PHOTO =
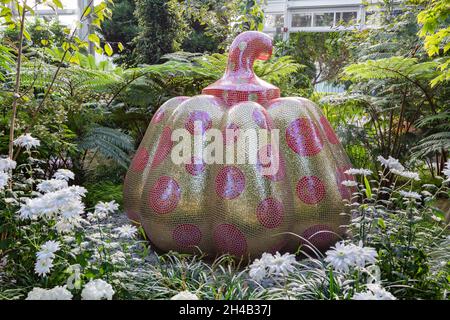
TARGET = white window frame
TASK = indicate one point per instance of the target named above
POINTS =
(333, 10)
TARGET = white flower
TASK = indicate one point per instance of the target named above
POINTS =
(410, 194)
(281, 264)
(78, 191)
(7, 164)
(43, 266)
(72, 209)
(364, 172)
(57, 293)
(97, 289)
(48, 250)
(364, 255)
(277, 265)
(118, 257)
(406, 174)
(106, 207)
(258, 270)
(4, 177)
(51, 185)
(349, 183)
(102, 209)
(65, 225)
(126, 231)
(184, 295)
(27, 141)
(50, 246)
(52, 203)
(341, 258)
(64, 174)
(391, 163)
(375, 292)
(344, 256)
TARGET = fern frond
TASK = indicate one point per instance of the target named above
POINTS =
(111, 143)
(391, 68)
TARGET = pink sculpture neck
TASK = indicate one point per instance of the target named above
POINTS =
(245, 49)
(239, 82)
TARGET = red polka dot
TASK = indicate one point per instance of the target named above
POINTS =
(320, 236)
(187, 235)
(262, 119)
(346, 192)
(270, 213)
(230, 133)
(198, 116)
(229, 239)
(164, 147)
(196, 167)
(303, 137)
(158, 117)
(140, 160)
(270, 171)
(329, 132)
(164, 195)
(310, 190)
(230, 182)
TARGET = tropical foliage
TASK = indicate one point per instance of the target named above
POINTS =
(69, 125)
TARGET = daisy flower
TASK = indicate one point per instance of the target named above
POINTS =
(97, 289)
(184, 295)
(349, 183)
(341, 257)
(64, 174)
(4, 177)
(43, 266)
(126, 231)
(374, 292)
(363, 172)
(406, 174)
(57, 293)
(7, 164)
(390, 163)
(51, 185)
(410, 194)
(27, 141)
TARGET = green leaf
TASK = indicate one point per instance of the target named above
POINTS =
(58, 4)
(108, 49)
(66, 46)
(381, 223)
(367, 186)
(87, 11)
(94, 38)
(121, 47)
(26, 35)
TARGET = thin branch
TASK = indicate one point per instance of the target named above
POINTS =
(17, 84)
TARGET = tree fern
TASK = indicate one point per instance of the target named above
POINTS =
(432, 144)
(391, 68)
(111, 143)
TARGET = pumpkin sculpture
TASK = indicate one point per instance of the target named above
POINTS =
(236, 208)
